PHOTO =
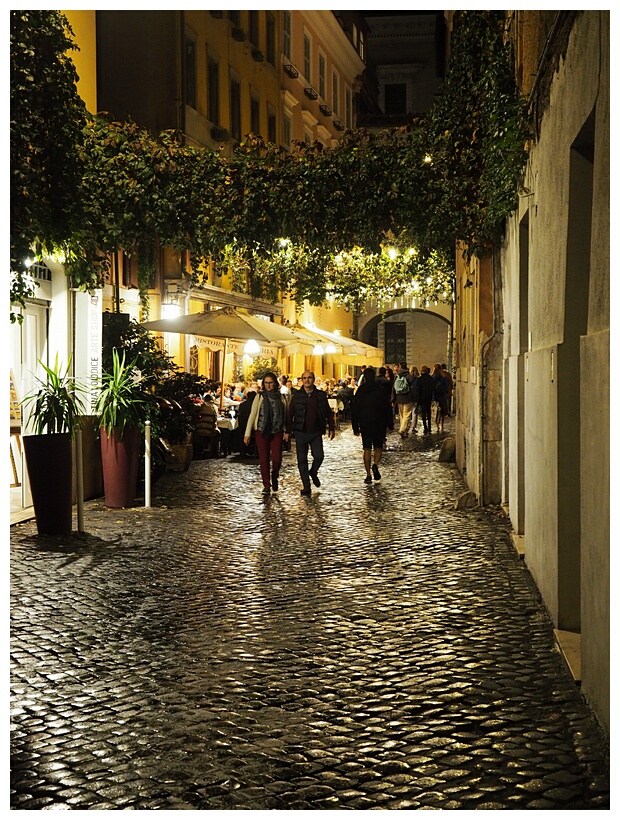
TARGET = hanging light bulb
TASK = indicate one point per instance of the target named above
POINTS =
(252, 348)
(318, 350)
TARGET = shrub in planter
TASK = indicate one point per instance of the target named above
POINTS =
(55, 408)
(121, 410)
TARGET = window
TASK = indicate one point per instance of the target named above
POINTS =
(287, 130)
(190, 72)
(271, 39)
(348, 107)
(235, 110)
(307, 137)
(362, 46)
(307, 59)
(213, 91)
(254, 28)
(395, 341)
(354, 36)
(254, 115)
(286, 34)
(124, 270)
(271, 127)
(335, 89)
(322, 76)
(396, 98)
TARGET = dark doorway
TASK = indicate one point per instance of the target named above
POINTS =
(395, 342)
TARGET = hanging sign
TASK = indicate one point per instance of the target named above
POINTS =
(234, 346)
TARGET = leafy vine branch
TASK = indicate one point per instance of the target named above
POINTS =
(376, 216)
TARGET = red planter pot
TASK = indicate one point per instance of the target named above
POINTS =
(119, 458)
(48, 458)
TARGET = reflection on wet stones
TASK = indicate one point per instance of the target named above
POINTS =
(369, 647)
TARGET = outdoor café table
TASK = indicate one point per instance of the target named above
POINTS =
(334, 404)
(226, 425)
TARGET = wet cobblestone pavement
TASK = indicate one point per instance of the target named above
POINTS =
(370, 647)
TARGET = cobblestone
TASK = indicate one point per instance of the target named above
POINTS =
(368, 647)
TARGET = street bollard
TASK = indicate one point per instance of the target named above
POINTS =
(79, 479)
(147, 464)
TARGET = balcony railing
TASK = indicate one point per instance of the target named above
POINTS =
(219, 134)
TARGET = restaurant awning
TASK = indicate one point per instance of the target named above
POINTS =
(344, 350)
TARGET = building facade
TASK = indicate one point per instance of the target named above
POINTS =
(215, 76)
(533, 343)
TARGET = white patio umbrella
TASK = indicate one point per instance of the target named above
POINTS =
(344, 350)
(230, 324)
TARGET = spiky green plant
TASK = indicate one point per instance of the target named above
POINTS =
(121, 402)
(55, 407)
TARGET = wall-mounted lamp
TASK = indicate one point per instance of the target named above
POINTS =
(170, 310)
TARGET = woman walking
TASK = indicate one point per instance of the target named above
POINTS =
(371, 411)
(266, 420)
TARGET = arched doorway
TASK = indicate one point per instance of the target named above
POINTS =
(415, 335)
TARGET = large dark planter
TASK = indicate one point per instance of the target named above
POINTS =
(119, 459)
(48, 459)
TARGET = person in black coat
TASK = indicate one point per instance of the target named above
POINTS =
(370, 416)
(426, 387)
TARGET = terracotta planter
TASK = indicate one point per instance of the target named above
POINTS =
(182, 455)
(48, 459)
(119, 459)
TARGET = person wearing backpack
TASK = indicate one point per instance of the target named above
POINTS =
(402, 396)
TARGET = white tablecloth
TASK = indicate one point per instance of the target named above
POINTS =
(227, 424)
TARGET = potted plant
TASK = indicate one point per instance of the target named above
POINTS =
(121, 409)
(178, 429)
(55, 409)
(179, 396)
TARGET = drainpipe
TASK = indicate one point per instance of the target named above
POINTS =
(181, 90)
(497, 332)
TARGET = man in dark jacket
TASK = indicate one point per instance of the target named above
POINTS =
(371, 412)
(308, 417)
(426, 385)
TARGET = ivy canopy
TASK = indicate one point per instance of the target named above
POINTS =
(377, 215)
(47, 132)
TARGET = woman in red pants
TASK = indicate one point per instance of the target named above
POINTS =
(267, 419)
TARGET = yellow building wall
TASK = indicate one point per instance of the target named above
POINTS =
(258, 79)
(84, 28)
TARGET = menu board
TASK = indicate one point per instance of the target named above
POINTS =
(16, 410)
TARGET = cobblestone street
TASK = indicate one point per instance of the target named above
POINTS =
(369, 647)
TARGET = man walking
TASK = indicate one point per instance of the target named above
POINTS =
(308, 417)
(402, 396)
